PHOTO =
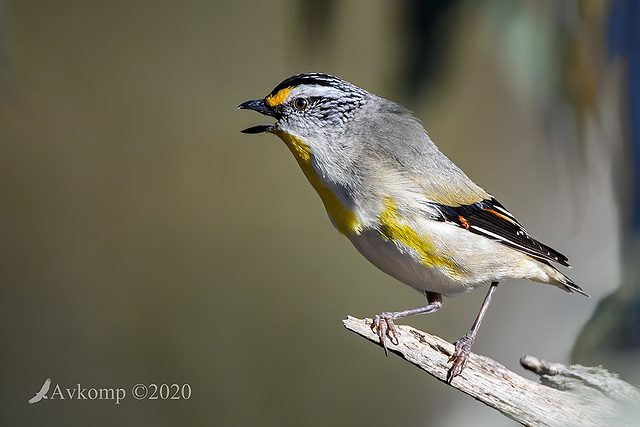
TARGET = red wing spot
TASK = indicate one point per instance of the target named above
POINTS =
(463, 222)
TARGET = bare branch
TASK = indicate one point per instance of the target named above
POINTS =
(568, 395)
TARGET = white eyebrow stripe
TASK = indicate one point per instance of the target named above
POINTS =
(314, 90)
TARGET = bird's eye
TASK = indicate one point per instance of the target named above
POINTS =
(300, 103)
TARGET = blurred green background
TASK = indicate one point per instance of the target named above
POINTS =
(145, 240)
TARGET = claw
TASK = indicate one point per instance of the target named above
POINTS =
(460, 357)
(384, 327)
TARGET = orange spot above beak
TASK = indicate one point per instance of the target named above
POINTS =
(277, 98)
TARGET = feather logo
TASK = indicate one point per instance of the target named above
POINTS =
(42, 394)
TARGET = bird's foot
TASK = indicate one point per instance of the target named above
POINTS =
(460, 356)
(384, 327)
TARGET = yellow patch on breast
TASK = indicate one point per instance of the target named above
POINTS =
(393, 228)
(278, 97)
(343, 219)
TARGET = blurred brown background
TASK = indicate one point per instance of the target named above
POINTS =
(143, 239)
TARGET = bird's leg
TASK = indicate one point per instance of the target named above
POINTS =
(463, 345)
(383, 324)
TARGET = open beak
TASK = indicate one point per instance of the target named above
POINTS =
(262, 108)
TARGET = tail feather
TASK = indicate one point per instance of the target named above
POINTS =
(559, 279)
(571, 287)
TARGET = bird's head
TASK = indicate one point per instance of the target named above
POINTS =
(310, 106)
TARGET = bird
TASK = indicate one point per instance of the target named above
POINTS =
(42, 394)
(400, 201)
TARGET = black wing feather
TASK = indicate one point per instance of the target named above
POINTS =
(490, 219)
